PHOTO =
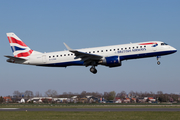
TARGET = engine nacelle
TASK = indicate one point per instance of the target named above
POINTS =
(113, 61)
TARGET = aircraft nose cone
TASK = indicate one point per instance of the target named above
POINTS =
(174, 49)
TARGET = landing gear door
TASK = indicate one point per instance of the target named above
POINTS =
(44, 58)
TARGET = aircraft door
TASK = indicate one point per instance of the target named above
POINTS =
(154, 48)
(44, 58)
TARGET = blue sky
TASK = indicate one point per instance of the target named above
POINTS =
(45, 25)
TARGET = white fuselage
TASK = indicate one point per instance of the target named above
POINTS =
(124, 51)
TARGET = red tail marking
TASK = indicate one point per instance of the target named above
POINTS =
(13, 40)
(25, 54)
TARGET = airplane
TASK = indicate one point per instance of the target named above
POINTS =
(110, 56)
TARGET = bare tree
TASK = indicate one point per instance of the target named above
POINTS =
(96, 94)
(16, 94)
(28, 94)
(132, 93)
(37, 94)
(65, 95)
(83, 94)
(159, 92)
(122, 94)
(51, 93)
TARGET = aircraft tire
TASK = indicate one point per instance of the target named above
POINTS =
(93, 70)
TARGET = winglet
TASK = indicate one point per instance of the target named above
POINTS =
(68, 47)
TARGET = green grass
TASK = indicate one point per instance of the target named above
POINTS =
(22, 115)
(49, 115)
(89, 106)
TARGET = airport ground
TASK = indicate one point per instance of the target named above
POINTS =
(95, 105)
(87, 112)
(123, 115)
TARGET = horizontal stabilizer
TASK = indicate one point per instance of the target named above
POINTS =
(15, 59)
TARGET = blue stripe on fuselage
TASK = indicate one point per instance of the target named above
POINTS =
(64, 64)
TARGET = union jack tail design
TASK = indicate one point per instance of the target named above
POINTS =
(19, 48)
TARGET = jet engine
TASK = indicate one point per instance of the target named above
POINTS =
(113, 61)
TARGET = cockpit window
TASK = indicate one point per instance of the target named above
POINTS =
(164, 44)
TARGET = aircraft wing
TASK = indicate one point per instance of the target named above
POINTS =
(87, 58)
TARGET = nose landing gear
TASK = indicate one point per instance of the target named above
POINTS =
(158, 62)
(93, 70)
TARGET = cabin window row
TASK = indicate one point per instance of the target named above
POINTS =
(61, 55)
(119, 49)
(100, 51)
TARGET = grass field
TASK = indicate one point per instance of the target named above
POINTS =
(22, 115)
(89, 105)
(54, 115)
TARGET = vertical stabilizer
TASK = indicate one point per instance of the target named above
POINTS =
(19, 48)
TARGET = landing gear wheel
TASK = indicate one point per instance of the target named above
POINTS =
(93, 70)
(158, 60)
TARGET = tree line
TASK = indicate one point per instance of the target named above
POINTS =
(162, 97)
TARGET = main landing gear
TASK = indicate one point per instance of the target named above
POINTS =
(93, 70)
(158, 60)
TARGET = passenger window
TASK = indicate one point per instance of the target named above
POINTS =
(121, 48)
(53, 56)
(114, 49)
(140, 46)
(137, 47)
(68, 54)
(133, 47)
(57, 55)
(110, 49)
(89, 52)
(101, 50)
(49, 56)
(118, 49)
(97, 51)
(125, 48)
(144, 46)
(106, 50)
(61, 55)
(64, 54)
(93, 51)
(129, 47)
